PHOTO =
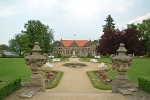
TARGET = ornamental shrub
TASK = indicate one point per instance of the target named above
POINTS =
(144, 84)
(7, 86)
(59, 55)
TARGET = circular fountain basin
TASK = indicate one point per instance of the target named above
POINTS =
(74, 65)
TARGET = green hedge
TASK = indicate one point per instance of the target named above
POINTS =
(144, 84)
(12, 57)
(7, 86)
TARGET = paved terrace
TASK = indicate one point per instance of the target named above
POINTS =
(74, 85)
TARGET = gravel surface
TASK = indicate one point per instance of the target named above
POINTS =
(74, 85)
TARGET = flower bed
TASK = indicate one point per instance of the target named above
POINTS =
(103, 77)
(97, 83)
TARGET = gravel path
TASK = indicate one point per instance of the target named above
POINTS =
(74, 85)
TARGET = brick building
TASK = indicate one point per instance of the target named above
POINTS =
(75, 47)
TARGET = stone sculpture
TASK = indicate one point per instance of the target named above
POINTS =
(35, 62)
(121, 63)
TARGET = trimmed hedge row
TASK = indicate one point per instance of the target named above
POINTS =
(144, 84)
(7, 86)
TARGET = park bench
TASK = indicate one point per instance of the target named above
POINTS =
(49, 65)
(101, 65)
(56, 60)
(97, 57)
(94, 60)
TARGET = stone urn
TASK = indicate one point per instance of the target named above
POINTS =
(121, 64)
(35, 62)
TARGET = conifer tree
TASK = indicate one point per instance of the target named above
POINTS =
(109, 23)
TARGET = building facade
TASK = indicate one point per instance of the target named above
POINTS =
(75, 47)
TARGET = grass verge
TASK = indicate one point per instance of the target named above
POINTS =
(138, 68)
(14, 68)
(99, 60)
(97, 82)
(55, 81)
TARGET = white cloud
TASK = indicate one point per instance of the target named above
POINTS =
(139, 19)
(67, 17)
(121, 26)
(82, 8)
(7, 11)
(76, 8)
(39, 7)
(117, 5)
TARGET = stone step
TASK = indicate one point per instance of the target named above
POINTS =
(30, 92)
(125, 91)
(78, 96)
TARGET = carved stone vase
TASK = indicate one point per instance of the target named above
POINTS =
(35, 62)
(121, 63)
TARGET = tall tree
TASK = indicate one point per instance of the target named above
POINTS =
(38, 32)
(34, 31)
(19, 43)
(131, 41)
(132, 26)
(4, 47)
(111, 39)
(144, 30)
(109, 23)
(96, 42)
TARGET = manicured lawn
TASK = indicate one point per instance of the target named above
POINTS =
(99, 60)
(14, 68)
(138, 68)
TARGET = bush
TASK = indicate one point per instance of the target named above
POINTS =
(144, 84)
(81, 57)
(148, 55)
(3, 56)
(21, 56)
(144, 56)
(89, 56)
(66, 56)
(7, 86)
(59, 55)
(107, 55)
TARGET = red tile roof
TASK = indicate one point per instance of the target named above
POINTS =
(69, 42)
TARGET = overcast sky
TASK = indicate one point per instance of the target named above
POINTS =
(84, 18)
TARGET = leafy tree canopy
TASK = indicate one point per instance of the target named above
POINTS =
(111, 39)
(34, 31)
(4, 47)
(144, 33)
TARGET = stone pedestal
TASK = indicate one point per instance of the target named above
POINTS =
(120, 81)
(37, 81)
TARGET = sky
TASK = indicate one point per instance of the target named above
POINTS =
(82, 18)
